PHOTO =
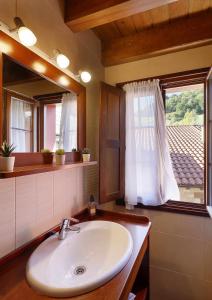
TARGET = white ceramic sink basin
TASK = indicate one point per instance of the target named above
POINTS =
(82, 261)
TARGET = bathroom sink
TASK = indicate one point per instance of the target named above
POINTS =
(82, 261)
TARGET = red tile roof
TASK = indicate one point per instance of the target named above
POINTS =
(187, 154)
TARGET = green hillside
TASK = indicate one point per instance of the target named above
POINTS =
(185, 108)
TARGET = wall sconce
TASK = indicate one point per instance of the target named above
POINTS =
(61, 60)
(26, 36)
(85, 76)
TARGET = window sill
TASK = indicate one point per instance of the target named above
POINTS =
(176, 207)
(209, 209)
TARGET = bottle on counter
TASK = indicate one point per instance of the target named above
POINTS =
(92, 206)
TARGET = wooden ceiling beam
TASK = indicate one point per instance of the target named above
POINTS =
(87, 14)
(183, 33)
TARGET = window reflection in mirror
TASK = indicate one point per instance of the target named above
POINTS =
(37, 113)
(21, 124)
(52, 121)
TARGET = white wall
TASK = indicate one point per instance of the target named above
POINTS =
(165, 64)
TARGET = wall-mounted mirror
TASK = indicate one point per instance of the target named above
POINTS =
(37, 113)
(40, 106)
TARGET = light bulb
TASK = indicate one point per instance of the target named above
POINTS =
(64, 81)
(85, 76)
(26, 36)
(62, 61)
(38, 67)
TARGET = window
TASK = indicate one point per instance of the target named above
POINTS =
(193, 116)
(52, 118)
(20, 125)
(188, 120)
(185, 128)
(58, 121)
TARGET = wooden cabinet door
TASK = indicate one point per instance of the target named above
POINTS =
(112, 143)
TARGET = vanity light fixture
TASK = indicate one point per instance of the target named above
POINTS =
(85, 76)
(61, 60)
(26, 36)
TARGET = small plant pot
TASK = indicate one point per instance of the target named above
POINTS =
(7, 163)
(86, 157)
(60, 159)
(47, 158)
(75, 156)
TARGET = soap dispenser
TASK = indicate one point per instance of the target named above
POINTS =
(92, 206)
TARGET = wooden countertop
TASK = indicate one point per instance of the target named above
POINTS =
(13, 285)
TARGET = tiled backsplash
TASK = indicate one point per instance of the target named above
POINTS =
(31, 205)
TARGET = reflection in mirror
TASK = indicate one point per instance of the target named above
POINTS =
(37, 113)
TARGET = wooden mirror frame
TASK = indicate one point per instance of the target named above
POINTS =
(32, 61)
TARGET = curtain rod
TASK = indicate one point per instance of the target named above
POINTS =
(19, 94)
(203, 71)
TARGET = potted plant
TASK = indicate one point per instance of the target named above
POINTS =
(6, 160)
(75, 155)
(86, 156)
(60, 156)
(47, 156)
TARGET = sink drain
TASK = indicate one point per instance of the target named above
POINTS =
(79, 270)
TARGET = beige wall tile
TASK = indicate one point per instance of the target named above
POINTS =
(71, 200)
(179, 224)
(184, 255)
(208, 229)
(26, 208)
(68, 194)
(208, 262)
(61, 190)
(81, 202)
(7, 216)
(169, 285)
(44, 202)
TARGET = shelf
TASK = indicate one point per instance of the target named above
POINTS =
(35, 169)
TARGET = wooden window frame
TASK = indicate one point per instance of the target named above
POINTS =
(177, 80)
(44, 100)
(8, 95)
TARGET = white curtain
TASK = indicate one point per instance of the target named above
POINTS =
(149, 178)
(20, 125)
(68, 124)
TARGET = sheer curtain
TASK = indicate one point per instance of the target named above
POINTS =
(20, 120)
(68, 124)
(149, 178)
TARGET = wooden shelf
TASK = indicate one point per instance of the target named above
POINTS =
(35, 169)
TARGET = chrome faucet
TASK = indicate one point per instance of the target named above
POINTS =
(65, 227)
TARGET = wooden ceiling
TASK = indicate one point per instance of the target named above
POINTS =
(189, 21)
(151, 18)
